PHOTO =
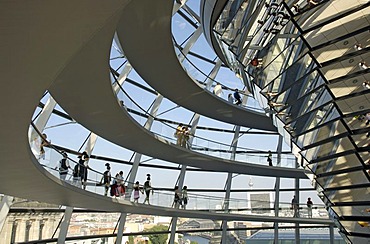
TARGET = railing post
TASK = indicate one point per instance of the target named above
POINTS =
(182, 176)
(234, 144)
(64, 226)
(277, 189)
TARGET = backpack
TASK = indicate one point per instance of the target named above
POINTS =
(63, 164)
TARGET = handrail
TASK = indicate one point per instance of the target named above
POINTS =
(178, 47)
(122, 95)
(164, 197)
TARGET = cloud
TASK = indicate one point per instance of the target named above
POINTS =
(181, 25)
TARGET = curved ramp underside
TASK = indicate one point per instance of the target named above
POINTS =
(21, 174)
(145, 36)
(84, 90)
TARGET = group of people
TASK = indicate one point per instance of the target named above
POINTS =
(79, 170)
(181, 197)
(235, 98)
(295, 207)
(63, 167)
(117, 188)
(182, 135)
(147, 189)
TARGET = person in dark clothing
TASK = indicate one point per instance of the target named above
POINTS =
(106, 179)
(269, 158)
(147, 189)
(238, 98)
(177, 199)
(295, 207)
(83, 162)
(309, 207)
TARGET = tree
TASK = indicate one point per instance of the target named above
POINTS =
(158, 238)
(131, 240)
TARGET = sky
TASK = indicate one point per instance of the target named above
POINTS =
(72, 135)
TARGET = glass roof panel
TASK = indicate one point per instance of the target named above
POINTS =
(345, 179)
(339, 163)
(331, 129)
(348, 195)
(330, 148)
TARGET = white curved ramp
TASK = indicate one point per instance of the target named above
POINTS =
(84, 90)
(21, 174)
(145, 36)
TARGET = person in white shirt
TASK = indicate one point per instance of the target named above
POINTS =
(217, 90)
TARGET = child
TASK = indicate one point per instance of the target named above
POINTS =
(137, 191)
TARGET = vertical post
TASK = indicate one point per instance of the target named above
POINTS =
(14, 231)
(226, 207)
(121, 227)
(41, 228)
(135, 167)
(277, 189)
(122, 77)
(331, 232)
(90, 144)
(27, 232)
(148, 125)
(213, 74)
(234, 144)
(64, 226)
(43, 117)
(297, 230)
(182, 176)
(190, 43)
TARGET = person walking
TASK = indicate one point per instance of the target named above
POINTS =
(83, 162)
(76, 176)
(295, 207)
(106, 179)
(121, 189)
(217, 90)
(177, 199)
(238, 98)
(147, 189)
(63, 166)
(309, 207)
(185, 198)
(137, 191)
(269, 158)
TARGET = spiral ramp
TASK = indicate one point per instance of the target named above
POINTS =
(65, 67)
